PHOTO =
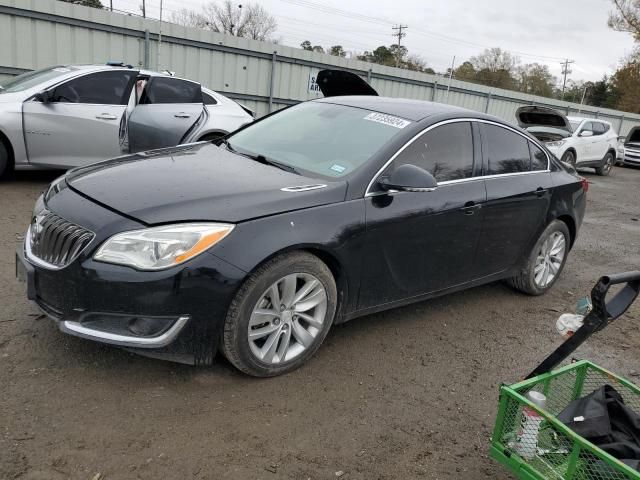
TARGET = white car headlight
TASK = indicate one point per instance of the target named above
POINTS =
(162, 247)
(555, 144)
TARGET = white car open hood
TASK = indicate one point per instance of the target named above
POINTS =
(534, 116)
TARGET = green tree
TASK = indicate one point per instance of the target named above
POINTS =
(337, 51)
(466, 72)
(626, 85)
(86, 3)
(306, 45)
(536, 79)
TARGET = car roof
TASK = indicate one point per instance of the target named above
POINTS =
(580, 119)
(410, 109)
(101, 67)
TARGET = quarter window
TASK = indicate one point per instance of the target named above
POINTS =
(171, 90)
(446, 152)
(539, 159)
(103, 88)
(208, 99)
(507, 151)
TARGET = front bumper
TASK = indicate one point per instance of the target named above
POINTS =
(175, 314)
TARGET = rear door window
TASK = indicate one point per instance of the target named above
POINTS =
(171, 90)
(598, 128)
(539, 160)
(507, 151)
(102, 88)
(446, 152)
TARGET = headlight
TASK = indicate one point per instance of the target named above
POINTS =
(556, 144)
(161, 247)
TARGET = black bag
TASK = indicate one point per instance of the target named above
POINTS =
(604, 420)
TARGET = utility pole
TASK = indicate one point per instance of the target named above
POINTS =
(450, 76)
(565, 72)
(111, 5)
(144, 9)
(400, 36)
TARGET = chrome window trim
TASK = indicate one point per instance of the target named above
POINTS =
(369, 193)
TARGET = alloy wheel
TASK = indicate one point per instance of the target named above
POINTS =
(549, 259)
(287, 318)
(608, 163)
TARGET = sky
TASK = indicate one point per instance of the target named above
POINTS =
(544, 31)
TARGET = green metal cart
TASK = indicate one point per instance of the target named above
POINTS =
(557, 452)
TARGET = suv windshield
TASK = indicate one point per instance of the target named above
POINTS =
(31, 79)
(322, 138)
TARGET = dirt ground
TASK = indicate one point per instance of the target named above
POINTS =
(409, 393)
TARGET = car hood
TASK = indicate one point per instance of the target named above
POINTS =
(633, 136)
(198, 182)
(11, 97)
(534, 116)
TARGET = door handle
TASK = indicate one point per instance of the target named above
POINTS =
(106, 116)
(540, 191)
(182, 115)
(470, 208)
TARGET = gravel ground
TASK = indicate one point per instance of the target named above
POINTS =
(409, 393)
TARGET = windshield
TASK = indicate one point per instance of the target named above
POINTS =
(31, 79)
(574, 124)
(322, 138)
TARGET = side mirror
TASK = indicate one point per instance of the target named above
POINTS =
(409, 178)
(43, 96)
(586, 133)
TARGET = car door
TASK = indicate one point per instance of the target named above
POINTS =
(79, 120)
(584, 149)
(600, 141)
(518, 186)
(421, 242)
(168, 110)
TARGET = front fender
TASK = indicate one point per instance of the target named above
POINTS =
(11, 130)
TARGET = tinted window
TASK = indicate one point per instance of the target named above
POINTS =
(208, 99)
(598, 128)
(171, 90)
(507, 151)
(105, 88)
(539, 159)
(446, 152)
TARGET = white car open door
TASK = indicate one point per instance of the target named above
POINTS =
(168, 110)
(78, 121)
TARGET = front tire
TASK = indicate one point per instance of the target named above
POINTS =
(607, 165)
(569, 157)
(545, 262)
(280, 316)
(4, 161)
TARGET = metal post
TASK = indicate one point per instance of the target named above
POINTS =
(450, 76)
(486, 105)
(369, 76)
(621, 124)
(159, 38)
(597, 113)
(274, 57)
(147, 46)
(434, 91)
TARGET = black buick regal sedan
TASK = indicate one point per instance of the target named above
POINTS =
(312, 216)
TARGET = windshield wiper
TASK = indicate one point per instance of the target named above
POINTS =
(273, 163)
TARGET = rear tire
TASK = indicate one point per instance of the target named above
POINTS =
(263, 339)
(544, 258)
(569, 157)
(607, 165)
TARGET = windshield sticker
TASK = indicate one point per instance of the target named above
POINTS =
(387, 120)
(338, 168)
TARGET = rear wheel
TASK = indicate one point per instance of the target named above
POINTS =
(607, 165)
(569, 157)
(546, 260)
(280, 316)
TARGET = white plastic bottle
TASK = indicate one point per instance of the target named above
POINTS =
(527, 435)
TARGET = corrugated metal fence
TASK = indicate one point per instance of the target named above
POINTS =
(264, 76)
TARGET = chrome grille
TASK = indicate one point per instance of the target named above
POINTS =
(55, 241)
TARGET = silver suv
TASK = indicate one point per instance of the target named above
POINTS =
(72, 115)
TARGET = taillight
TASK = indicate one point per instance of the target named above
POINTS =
(585, 184)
